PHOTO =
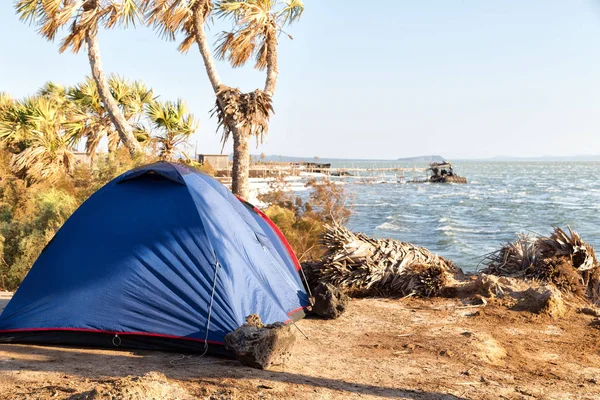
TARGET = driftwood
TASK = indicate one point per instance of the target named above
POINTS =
(363, 266)
(563, 259)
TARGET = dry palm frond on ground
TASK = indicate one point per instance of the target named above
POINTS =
(360, 265)
(562, 259)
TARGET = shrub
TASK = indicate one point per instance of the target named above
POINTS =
(303, 221)
(24, 235)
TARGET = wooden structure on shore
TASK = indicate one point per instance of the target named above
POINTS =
(217, 161)
(354, 175)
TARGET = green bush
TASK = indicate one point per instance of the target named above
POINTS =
(24, 234)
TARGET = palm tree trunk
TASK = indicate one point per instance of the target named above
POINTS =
(241, 163)
(272, 64)
(241, 149)
(115, 114)
(209, 61)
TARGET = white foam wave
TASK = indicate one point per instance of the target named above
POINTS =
(388, 226)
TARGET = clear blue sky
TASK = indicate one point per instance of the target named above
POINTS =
(387, 79)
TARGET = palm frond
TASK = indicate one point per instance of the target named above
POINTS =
(172, 123)
(562, 259)
(169, 17)
(124, 14)
(361, 266)
(50, 16)
(292, 12)
(248, 111)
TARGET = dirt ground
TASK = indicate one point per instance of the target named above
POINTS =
(391, 349)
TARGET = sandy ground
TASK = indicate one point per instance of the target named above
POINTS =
(390, 349)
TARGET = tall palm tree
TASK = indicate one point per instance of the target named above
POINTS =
(172, 124)
(85, 17)
(257, 24)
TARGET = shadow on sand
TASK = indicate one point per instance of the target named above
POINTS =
(95, 364)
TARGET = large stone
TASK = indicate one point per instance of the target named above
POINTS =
(261, 346)
(329, 301)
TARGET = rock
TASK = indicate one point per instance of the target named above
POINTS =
(543, 300)
(330, 302)
(258, 345)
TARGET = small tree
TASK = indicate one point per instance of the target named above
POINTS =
(172, 124)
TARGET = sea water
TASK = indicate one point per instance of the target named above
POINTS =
(465, 222)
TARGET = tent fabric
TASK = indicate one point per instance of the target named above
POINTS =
(151, 254)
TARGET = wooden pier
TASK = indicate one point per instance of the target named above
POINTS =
(356, 175)
(351, 175)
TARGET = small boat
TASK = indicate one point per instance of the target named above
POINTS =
(443, 173)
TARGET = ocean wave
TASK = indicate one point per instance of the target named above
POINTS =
(450, 228)
(446, 195)
(373, 204)
(388, 226)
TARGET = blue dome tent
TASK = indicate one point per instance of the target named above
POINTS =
(163, 257)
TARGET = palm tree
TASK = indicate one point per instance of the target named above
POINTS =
(15, 124)
(92, 122)
(33, 130)
(257, 24)
(84, 17)
(172, 124)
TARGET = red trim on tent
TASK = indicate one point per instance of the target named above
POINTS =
(281, 236)
(278, 232)
(110, 332)
(296, 310)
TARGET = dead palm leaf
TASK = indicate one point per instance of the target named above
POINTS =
(562, 259)
(360, 265)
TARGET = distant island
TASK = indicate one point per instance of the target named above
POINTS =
(426, 159)
(282, 158)
(422, 159)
